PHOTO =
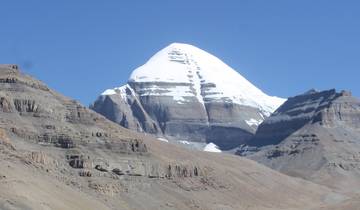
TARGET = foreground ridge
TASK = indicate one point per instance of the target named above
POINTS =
(57, 154)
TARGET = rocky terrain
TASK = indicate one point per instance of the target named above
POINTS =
(188, 95)
(315, 136)
(57, 154)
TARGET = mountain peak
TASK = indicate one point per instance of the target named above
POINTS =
(184, 93)
(180, 45)
(206, 76)
(311, 91)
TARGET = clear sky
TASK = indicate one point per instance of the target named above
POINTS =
(82, 47)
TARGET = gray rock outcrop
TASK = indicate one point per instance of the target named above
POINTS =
(310, 135)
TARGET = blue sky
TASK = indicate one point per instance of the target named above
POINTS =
(284, 47)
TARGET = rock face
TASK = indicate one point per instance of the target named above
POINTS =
(185, 93)
(29, 110)
(315, 136)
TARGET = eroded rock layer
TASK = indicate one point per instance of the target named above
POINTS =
(315, 135)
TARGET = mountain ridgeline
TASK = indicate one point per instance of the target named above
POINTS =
(315, 135)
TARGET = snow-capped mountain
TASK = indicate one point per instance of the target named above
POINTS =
(185, 93)
(200, 74)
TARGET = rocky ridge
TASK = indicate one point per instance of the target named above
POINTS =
(314, 136)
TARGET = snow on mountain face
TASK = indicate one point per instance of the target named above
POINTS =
(200, 74)
(211, 147)
(120, 90)
(187, 95)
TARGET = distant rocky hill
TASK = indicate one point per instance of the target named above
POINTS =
(315, 136)
(188, 95)
(57, 154)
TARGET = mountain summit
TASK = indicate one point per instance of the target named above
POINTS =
(187, 94)
(203, 76)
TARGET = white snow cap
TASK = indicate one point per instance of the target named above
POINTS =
(212, 79)
(119, 90)
(211, 147)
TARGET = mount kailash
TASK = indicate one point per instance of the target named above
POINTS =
(184, 94)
